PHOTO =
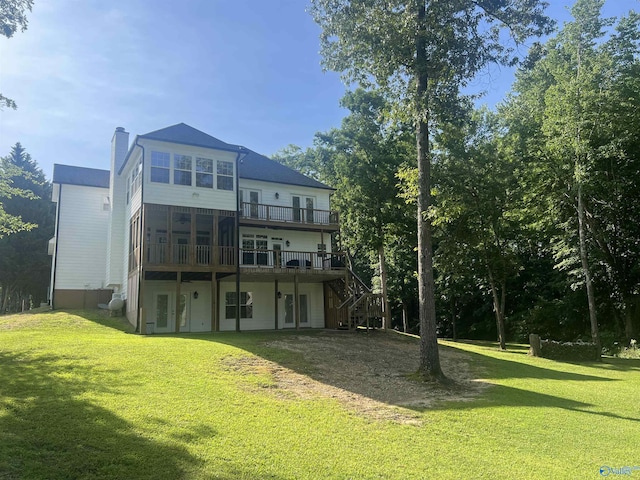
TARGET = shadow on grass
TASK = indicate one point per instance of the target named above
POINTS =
(508, 367)
(49, 427)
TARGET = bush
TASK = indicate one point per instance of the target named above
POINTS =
(632, 351)
(569, 351)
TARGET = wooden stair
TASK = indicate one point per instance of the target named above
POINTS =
(365, 309)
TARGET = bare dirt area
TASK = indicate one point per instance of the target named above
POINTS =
(369, 373)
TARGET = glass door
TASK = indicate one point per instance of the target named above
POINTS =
(183, 312)
(163, 312)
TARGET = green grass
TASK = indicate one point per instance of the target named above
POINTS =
(83, 398)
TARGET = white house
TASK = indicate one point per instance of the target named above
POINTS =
(199, 235)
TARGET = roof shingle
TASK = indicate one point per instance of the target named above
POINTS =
(89, 177)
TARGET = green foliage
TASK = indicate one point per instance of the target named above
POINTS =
(12, 17)
(570, 352)
(24, 262)
(572, 122)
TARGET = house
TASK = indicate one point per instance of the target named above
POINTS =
(198, 235)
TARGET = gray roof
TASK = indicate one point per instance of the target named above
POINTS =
(253, 166)
(89, 177)
(183, 133)
(258, 167)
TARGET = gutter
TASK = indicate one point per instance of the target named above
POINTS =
(141, 234)
(55, 253)
(241, 151)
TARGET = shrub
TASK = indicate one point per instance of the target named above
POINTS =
(632, 351)
(569, 351)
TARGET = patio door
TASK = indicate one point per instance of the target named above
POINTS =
(277, 254)
(183, 312)
(289, 310)
(163, 312)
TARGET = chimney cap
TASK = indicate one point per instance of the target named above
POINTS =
(119, 129)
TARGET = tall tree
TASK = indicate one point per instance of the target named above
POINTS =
(478, 210)
(572, 116)
(12, 17)
(24, 263)
(421, 52)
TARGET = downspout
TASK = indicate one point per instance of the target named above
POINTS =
(240, 153)
(141, 233)
(55, 253)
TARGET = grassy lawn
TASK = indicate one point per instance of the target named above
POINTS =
(82, 397)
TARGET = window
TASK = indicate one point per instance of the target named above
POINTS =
(136, 179)
(248, 250)
(181, 169)
(204, 172)
(160, 167)
(225, 175)
(261, 247)
(304, 310)
(246, 305)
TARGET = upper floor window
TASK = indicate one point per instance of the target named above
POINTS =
(136, 179)
(225, 175)
(204, 172)
(181, 169)
(160, 167)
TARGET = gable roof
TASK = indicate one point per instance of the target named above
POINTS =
(253, 166)
(89, 177)
(187, 135)
(258, 167)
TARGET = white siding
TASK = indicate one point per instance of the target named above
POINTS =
(298, 241)
(184, 195)
(199, 308)
(268, 192)
(82, 238)
(264, 305)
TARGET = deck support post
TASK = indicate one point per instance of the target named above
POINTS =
(275, 310)
(296, 301)
(177, 304)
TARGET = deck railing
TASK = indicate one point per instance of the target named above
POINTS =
(207, 255)
(277, 213)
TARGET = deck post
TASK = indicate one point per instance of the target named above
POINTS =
(177, 304)
(214, 303)
(296, 301)
(275, 310)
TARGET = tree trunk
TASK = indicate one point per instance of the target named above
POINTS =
(595, 336)
(629, 311)
(383, 283)
(405, 314)
(429, 356)
(454, 334)
(498, 308)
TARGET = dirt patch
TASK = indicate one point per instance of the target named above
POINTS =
(369, 373)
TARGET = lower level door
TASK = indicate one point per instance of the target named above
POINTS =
(164, 312)
(289, 310)
(183, 312)
(289, 321)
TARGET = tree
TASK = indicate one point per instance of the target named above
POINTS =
(478, 210)
(360, 159)
(11, 223)
(421, 53)
(12, 17)
(571, 117)
(24, 263)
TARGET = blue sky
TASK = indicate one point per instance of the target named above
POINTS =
(245, 71)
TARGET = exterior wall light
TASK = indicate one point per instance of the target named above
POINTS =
(195, 294)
